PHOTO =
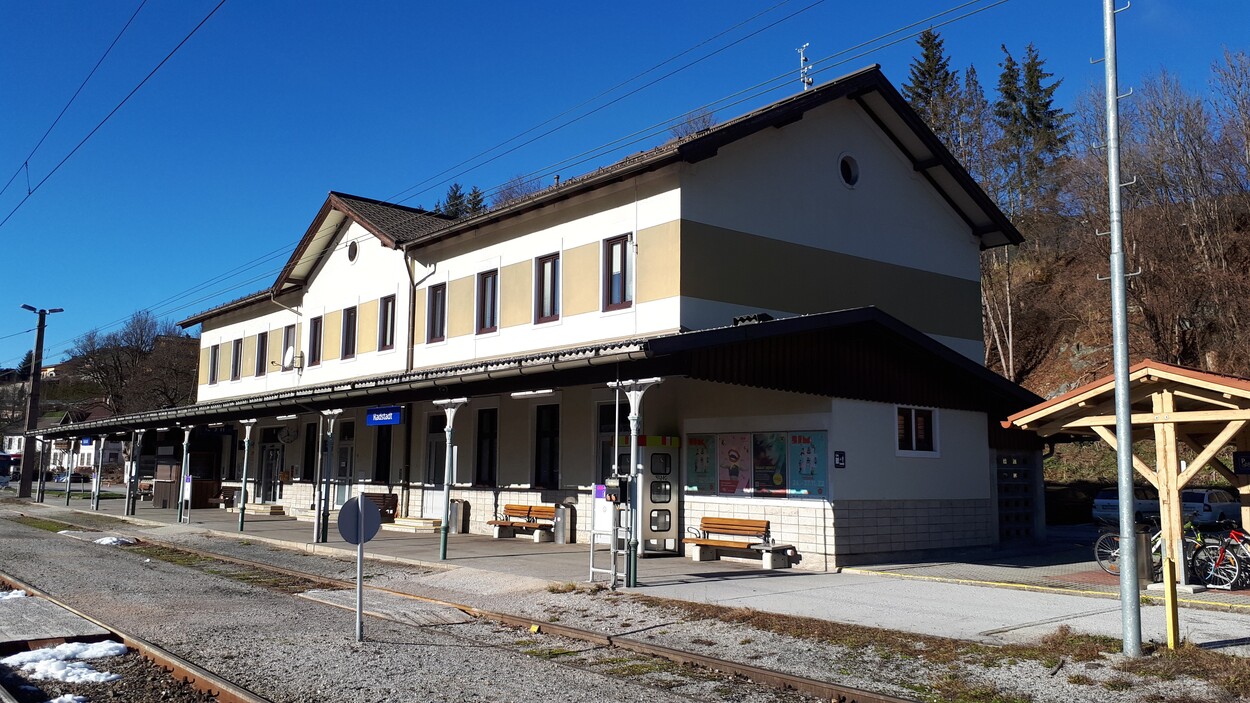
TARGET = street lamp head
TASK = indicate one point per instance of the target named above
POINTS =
(56, 310)
(29, 307)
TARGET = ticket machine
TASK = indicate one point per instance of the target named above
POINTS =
(658, 523)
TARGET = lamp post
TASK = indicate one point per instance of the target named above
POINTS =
(247, 452)
(32, 400)
(634, 390)
(449, 406)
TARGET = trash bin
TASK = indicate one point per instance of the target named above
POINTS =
(458, 517)
(563, 530)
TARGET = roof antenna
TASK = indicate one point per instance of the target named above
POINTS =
(805, 67)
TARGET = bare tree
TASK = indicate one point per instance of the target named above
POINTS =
(145, 365)
(693, 122)
(514, 189)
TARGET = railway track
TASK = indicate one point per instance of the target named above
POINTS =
(207, 681)
(179, 669)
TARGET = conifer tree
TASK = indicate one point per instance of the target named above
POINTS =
(475, 201)
(454, 205)
(932, 88)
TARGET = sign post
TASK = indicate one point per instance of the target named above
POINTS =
(359, 522)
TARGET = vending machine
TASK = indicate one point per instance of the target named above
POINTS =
(657, 522)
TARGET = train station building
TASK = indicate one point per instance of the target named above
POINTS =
(801, 284)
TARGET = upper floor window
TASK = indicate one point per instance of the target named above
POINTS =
(547, 288)
(314, 341)
(917, 430)
(618, 289)
(386, 323)
(236, 360)
(214, 357)
(288, 347)
(436, 321)
(348, 346)
(487, 301)
(262, 353)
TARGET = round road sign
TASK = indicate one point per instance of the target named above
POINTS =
(350, 521)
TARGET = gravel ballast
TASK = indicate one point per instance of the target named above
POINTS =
(291, 649)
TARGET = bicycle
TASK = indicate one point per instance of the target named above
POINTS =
(1107, 549)
(1219, 564)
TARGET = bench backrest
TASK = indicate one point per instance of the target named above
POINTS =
(537, 512)
(740, 527)
(387, 503)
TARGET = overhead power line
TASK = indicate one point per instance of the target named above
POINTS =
(31, 191)
(26, 162)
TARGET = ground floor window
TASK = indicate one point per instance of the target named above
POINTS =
(486, 459)
(547, 446)
(382, 454)
(308, 471)
(436, 449)
(917, 431)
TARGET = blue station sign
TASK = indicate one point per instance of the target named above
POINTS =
(392, 415)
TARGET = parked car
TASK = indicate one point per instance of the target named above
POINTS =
(73, 478)
(1210, 504)
(4, 480)
(1107, 504)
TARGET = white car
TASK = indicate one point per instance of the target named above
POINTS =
(1107, 505)
(4, 480)
(1210, 505)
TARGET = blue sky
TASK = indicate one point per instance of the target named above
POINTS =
(219, 163)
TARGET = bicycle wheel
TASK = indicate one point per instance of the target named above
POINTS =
(1215, 567)
(1107, 552)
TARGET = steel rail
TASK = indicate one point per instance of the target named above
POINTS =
(823, 689)
(197, 677)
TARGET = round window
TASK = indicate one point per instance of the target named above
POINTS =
(352, 251)
(848, 167)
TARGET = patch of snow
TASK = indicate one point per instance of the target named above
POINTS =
(68, 698)
(5, 595)
(58, 663)
(114, 541)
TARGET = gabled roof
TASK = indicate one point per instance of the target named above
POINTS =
(393, 225)
(868, 88)
(1204, 401)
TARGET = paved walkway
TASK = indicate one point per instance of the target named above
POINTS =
(960, 597)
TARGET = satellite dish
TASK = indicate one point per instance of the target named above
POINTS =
(288, 358)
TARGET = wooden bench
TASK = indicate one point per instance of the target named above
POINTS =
(388, 504)
(525, 517)
(753, 537)
(226, 498)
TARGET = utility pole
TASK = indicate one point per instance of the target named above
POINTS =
(32, 402)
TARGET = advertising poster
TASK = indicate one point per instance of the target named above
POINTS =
(701, 463)
(734, 458)
(809, 464)
(769, 452)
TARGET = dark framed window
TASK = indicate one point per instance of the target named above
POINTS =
(382, 454)
(487, 458)
(436, 320)
(618, 292)
(262, 353)
(236, 360)
(547, 288)
(311, 443)
(547, 446)
(916, 430)
(436, 449)
(288, 342)
(314, 341)
(386, 323)
(348, 344)
(488, 301)
(214, 357)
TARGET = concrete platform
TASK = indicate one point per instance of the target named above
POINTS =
(27, 619)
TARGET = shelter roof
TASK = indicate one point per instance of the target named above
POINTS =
(1205, 402)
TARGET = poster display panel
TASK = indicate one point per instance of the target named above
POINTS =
(769, 456)
(734, 460)
(701, 464)
(809, 464)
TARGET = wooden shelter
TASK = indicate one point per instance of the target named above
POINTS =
(1172, 405)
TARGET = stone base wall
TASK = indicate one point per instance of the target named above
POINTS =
(872, 530)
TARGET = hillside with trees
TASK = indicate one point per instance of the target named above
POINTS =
(1046, 311)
